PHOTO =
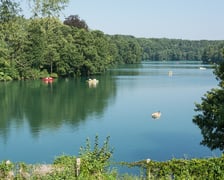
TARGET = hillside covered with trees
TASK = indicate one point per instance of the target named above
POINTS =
(43, 45)
(177, 49)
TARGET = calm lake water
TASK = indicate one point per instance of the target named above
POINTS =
(40, 121)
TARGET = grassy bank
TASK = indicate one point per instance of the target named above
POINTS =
(66, 167)
(94, 163)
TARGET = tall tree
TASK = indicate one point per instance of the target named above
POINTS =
(47, 8)
(12, 37)
(8, 10)
(211, 117)
(75, 21)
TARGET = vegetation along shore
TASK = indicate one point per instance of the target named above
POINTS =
(44, 45)
(95, 163)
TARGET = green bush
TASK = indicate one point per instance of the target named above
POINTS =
(95, 161)
(6, 168)
(95, 164)
(5, 77)
(54, 75)
(44, 73)
(200, 169)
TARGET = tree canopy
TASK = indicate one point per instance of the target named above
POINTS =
(47, 8)
(75, 21)
(43, 45)
(176, 49)
(211, 114)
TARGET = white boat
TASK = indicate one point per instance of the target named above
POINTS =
(93, 82)
(202, 68)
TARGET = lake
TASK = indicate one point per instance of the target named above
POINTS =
(40, 121)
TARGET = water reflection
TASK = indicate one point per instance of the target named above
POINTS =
(50, 105)
(45, 120)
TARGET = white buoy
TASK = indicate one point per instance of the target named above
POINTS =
(170, 73)
(156, 115)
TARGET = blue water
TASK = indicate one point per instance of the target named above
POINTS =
(39, 121)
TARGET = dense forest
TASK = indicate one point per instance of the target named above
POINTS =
(43, 45)
(177, 49)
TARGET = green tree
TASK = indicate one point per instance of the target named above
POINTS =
(102, 46)
(12, 38)
(75, 21)
(211, 117)
(47, 8)
(128, 49)
(68, 64)
(8, 10)
(36, 43)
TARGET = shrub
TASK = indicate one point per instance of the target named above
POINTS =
(6, 169)
(207, 168)
(54, 75)
(94, 162)
(44, 73)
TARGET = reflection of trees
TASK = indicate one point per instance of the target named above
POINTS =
(51, 105)
(126, 70)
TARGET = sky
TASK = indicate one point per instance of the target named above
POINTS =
(173, 19)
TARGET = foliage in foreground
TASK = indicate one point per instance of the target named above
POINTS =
(210, 119)
(200, 169)
(65, 167)
(95, 163)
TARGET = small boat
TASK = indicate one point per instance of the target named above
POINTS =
(92, 82)
(156, 115)
(202, 68)
(48, 79)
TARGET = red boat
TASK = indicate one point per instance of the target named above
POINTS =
(48, 79)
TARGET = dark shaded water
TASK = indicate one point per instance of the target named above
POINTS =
(40, 121)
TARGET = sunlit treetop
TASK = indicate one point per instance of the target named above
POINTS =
(47, 8)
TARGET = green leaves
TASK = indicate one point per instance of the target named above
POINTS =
(75, 21)
(207, 168)
(211, 115)
(48, 8)
(95, 161)
(8, 10)
(129, 50)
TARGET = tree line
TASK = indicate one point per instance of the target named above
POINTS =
(40, 46)
(164, 49)
(43, 45)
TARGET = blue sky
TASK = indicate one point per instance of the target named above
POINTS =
(179, 19)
